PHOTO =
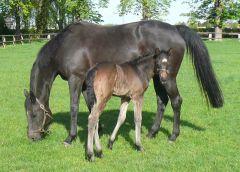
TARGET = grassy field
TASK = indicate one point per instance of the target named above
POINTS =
(209, 139)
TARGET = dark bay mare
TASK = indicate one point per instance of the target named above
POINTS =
(79, 46)
(129, 81)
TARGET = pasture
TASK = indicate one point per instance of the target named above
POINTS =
(209, 139)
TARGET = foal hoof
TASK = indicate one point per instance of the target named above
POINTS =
(110, 144)
(99, 154)
(90, 157)
(139, 148)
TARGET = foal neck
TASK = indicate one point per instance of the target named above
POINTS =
(146, 67)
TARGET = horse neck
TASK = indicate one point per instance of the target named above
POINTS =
(41, 82)
(146, 67)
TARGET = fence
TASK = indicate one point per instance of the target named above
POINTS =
(13, 39)
(225, 35)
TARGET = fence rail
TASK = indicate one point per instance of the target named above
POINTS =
(225, 35)
(13, 39)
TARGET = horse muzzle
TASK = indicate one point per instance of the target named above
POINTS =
(34, 136)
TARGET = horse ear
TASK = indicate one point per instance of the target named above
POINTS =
(32, 97)
(26, 93)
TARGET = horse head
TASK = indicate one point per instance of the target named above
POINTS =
(38, 116)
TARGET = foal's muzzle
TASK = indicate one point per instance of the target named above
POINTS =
(163, 75)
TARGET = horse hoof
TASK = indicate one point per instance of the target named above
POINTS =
(99, 154)
(172, 139)
(110, 144)
(150, 135)
(66, 144)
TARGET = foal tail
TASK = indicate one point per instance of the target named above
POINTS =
(203, 67)
(91, 97)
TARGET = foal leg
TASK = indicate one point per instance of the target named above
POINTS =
(162, 100)
(97, 142)
(75, 85)
(84, 92)
(92, 126)
(176, 102)
(138, 121)
(121, 119)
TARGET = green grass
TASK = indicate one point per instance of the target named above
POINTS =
(209, 139)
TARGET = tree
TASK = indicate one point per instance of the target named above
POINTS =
(3, 27)
(86, 10)
(17, 9)
(42, 14)
(215, 12)
(63, 12)
(149, 9)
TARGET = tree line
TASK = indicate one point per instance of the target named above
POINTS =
(56, 14)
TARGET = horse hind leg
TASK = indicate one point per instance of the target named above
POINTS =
(121, 119)
(162, 100)
(176, 102)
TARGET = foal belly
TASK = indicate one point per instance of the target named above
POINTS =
(121, 91)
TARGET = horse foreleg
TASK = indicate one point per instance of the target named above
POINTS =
(138, 121)
(121, 119)
(162, 100)
(75, 85)
(176, 102)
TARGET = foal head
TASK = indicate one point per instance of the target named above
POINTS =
(38, 117)
(162, 63)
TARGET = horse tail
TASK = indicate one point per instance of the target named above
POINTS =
(91, 97)
(203, 67)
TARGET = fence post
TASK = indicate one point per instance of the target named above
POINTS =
(14, 40)
(210, 36)
(48, 36)
(3, 41)
(239, 37)
(29, 38)
(21, 39)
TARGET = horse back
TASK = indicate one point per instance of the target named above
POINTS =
(80, 46)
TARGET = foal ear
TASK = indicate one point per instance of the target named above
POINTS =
(26, 93)
(170, 51)
(157, 51)
(32, 97)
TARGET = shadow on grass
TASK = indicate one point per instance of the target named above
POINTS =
(109, 119)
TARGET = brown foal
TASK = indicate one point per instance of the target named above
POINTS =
(128, 81)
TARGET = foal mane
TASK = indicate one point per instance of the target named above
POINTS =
(141, 58)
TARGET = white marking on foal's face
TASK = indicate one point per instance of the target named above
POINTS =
(164, 60)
